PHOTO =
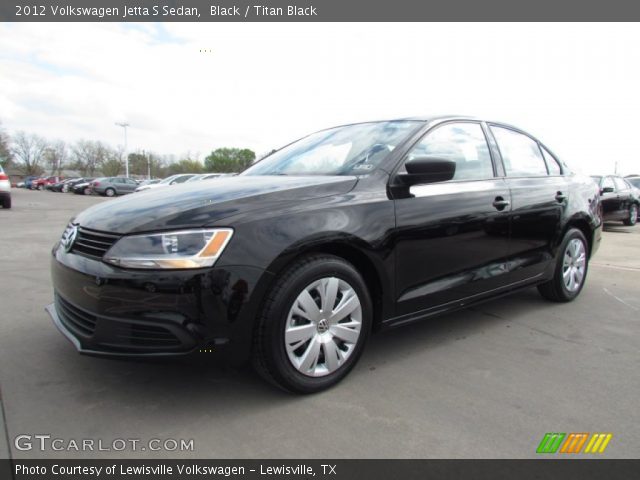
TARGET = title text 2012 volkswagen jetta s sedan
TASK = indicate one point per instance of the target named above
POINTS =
(348, 230)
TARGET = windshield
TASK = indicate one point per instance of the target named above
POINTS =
(349, 150)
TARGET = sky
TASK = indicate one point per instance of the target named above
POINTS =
(189, 88)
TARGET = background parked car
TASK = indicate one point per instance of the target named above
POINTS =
(619, 200)
(172, 180)
(42, 182)
(83, 187)
(59, 186)
(5, 189)
(149, 182)
(112, 186)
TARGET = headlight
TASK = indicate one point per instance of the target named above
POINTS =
(181, 249)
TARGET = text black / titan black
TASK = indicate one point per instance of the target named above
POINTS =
(349, 230)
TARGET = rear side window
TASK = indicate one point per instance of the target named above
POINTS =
(620, 184)
(520, 154)
(552, 164)
(464, 143)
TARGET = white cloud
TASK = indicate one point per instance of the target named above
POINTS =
(575, 86)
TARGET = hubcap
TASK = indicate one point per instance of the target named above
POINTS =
(323, 327)
(633, 214)
(573, 266)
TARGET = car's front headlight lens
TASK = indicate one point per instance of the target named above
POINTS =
(181, 249)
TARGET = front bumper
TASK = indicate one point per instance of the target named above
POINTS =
(108, 311)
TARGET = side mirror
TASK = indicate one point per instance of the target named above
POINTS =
(606, 190)
(428, 170)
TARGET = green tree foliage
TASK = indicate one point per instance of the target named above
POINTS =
(227, 160)
(186, 165)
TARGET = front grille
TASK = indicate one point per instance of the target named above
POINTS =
(75, 319)
(93, 243)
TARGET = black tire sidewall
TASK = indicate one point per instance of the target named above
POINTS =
(571, 234)
(275, 352)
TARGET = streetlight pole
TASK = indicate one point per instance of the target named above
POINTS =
(124, 125)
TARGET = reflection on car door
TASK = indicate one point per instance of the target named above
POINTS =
(610, 200)
(624, 196)
(539, 201)
(452, 237)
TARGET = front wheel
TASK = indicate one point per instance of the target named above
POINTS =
(313, 325)
(633, 216)
(570, 271)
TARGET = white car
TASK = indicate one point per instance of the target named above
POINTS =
(173, 179)
(5, 189)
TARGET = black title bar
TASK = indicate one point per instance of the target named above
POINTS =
(316, 10)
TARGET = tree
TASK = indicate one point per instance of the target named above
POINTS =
(112, 166)
(227, 160)
(5, 150)
(28, 150)
(55, 157)
(90, 156)
(186, 165)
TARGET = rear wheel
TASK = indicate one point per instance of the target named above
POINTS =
(633, 216)
(6, 202)
(110, 192)
(313, 325)
(87, 191)
(40, 187)
(571, 269)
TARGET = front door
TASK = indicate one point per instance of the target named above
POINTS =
(452, 237)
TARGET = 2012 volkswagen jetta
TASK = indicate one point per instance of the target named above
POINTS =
(352, 229)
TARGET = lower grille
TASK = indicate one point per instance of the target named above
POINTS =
(75, 319)
(93, 243)
(116, 334)
(148, 336)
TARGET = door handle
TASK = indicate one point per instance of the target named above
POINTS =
(500, 203)
(560, 197)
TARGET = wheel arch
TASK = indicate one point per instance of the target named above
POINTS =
(582, 224)
(351, 249)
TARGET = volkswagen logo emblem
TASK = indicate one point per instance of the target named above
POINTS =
(69, 237)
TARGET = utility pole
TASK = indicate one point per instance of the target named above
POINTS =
(124, 125)
(149, 166)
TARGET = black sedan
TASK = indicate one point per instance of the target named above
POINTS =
(82, 187)
(349, 230)
(619, 199)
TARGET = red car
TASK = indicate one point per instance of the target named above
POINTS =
(40, 183)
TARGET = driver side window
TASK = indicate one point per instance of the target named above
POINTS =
(464, 143)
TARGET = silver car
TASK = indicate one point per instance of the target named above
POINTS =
(112, 186)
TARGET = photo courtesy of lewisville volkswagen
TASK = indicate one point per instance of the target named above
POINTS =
(346, 231)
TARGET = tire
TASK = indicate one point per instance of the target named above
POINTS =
(281, 361)
(110, 192)
(6, 203)
(570, 272)
(64, 189)
(633, 216)
(41, 187)
(86, 191)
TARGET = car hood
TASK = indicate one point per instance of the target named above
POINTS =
(200, 204)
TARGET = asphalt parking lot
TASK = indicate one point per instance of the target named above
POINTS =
(482, 383)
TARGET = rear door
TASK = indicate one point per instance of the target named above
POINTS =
(610, 199)
(625, 197)
(539, 196)
(452, 237)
